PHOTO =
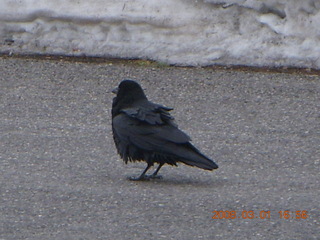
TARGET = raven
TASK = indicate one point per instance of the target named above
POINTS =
(145, 131)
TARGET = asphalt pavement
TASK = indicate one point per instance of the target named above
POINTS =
(61, 177)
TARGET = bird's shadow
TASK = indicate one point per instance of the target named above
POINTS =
(203, 181)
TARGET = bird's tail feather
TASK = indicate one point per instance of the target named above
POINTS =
(194, 157)
(200, 162)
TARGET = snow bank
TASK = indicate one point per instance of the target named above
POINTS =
(182, 32)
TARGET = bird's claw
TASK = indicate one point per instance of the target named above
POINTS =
(155, 176)
(138, 178)
(145, 177)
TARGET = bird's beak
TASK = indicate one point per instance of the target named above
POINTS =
(115, 90)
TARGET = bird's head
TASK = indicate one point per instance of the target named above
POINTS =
(127, 93)
(129, 89)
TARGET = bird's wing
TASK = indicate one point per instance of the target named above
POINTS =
(161, 139)
(150, 113)
(147, 136)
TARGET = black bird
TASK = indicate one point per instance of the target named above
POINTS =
(145, 131)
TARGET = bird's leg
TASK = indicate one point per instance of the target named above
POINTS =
(154, 175)
(142, 176)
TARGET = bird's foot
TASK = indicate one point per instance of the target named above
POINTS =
(153, 176)
(141, 178)
(145, 177)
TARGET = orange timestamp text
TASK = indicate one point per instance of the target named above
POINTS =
(259, 214)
